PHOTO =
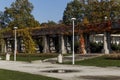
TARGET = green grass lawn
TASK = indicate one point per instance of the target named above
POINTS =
(31, 57)
(14, 75)
(101, 61)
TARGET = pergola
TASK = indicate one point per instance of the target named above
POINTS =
(80, 30)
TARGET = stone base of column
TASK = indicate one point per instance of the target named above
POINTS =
(60, 58)
(7, 57)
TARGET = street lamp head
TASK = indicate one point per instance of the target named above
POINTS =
(106, 17)
(15, 27)
(73, 19)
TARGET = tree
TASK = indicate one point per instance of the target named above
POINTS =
(73, 9)
(49, 23)
(93, 12)
(4, 20)
(20, 14)
(97, 11)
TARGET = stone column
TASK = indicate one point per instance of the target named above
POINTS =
(109, 41)
(52, 44)
(105, 42)
(63, 48)
(5, 48)
(68, 44)
(8, 46)
(19, 45)
(46, 46)
(22, 45)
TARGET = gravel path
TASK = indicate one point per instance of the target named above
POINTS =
(58, 70)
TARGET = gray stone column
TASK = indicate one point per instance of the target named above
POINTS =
(109, 41)
(22, 46)
(5, 48)
(9, 46)
(105, 42)
(46, 46)
(63, 48)
(87, 43)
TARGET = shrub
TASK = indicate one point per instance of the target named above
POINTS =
(96, 47)
(115, 47)
(76, 46)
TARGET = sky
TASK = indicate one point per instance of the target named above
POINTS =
(44, 10)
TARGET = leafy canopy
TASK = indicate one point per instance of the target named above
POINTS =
(73, 9)
(93, 12)
(20, 14)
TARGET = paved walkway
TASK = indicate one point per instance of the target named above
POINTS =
(84, 72)
(77, 57)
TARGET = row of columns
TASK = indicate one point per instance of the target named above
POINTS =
(47, 41)
(85, 43)
(63, 43)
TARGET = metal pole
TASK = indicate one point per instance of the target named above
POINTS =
(15, 49)
(73, 54)
(73, 45)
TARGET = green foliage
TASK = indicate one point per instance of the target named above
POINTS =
(101, 61)
(27, 40)
(98, 11)
(115, 47)
(96, 47)
(20, 14)
(49, 23)
(4, 20)
(30, 57)
(93, 12)
(73, 9)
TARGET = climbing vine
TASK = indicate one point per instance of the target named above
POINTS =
(27, 40)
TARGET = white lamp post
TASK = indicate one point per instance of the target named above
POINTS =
(15, 47)
(106, 50)
(73, 54)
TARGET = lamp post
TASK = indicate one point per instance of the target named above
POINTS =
(15, 47)
(106, 50)
(73, 54)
